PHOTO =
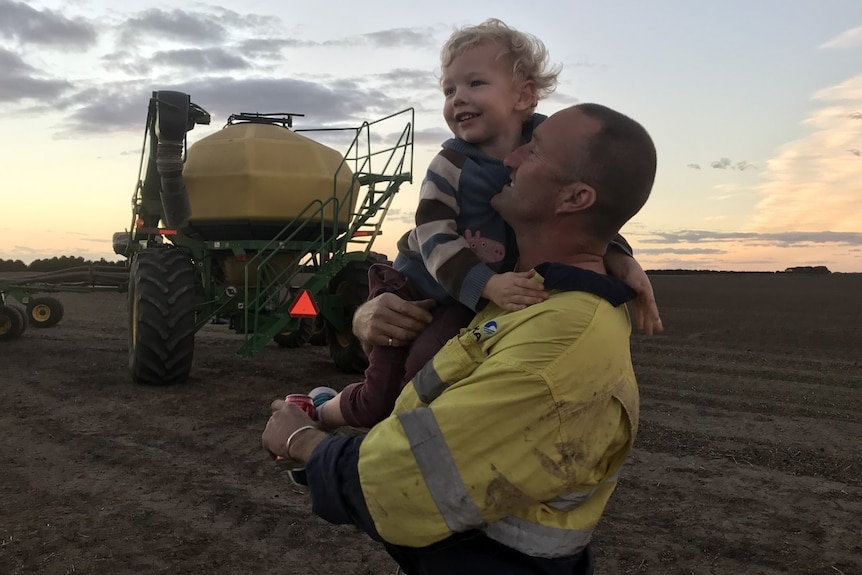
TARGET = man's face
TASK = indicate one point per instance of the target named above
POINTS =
(542, 167)
(480, 97)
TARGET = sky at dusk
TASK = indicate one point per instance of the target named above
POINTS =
(755, 107)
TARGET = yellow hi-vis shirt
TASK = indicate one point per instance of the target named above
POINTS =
(518, 427)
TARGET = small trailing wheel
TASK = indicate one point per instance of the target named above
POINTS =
(23, 313)
(12, 323)
(351, 285)
(297, 337)
(161, 316)
(318, 331)
(45, 311)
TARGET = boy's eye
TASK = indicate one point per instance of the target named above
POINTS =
(448, 91)
(476, 83)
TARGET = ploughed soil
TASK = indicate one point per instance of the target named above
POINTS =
(748, 458)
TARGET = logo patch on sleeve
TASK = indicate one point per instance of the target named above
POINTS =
(490, 328)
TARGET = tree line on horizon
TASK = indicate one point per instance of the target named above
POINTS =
(55, 264)
(816, 270)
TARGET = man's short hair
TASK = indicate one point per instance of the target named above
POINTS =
(620, 164)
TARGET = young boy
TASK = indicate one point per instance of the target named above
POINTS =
(461, 252)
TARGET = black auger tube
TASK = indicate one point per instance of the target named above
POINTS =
(172, 118)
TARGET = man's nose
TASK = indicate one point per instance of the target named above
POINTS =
(511, 160)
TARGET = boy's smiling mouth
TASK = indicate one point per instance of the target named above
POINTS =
(464, 116)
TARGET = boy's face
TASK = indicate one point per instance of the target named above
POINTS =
(484, 105)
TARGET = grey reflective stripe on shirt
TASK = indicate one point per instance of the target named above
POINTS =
(568, 501)
(439, 470)
(427, 383)
(538, 540)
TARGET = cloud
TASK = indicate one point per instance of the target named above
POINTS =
(392, 38)
(723, 192)
(200, 59)
(693, 166)
(20, 81)
(396, 37)
(848, 39)
(196, 60)
(679, 251)
(122, 106)
(855, 116)
(401, 216)
(268, 48)
(726, 164)
(780, 239)
(11, 64)
(432, 136)
(812, 184)
(178, 25)
(412, 79)
(46, 28)
(855, 152)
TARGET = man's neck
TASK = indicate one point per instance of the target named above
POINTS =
(535, 251)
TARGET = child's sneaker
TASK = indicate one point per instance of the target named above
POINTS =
(299, 477)
(320, 395)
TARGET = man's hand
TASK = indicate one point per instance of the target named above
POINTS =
(627, 269)
(514, 291)
(388, 316)
(285, 419)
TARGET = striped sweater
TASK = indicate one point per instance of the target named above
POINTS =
(460, 241)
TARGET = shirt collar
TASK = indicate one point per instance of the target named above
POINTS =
(569, 278)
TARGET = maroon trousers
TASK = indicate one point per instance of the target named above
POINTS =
(371, 400)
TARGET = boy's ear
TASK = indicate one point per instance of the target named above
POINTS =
(527, 97)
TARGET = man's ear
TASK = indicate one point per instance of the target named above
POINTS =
(575, 197)
(528, 97)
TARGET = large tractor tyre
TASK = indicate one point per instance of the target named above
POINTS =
(161, 316)
(297, 337)
(350, 284)
(318, 331)
(45, 311)
(11, 323)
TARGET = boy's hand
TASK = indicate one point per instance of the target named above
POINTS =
(629, 270)
(514, 291)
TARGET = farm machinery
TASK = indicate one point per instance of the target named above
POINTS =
(46, 311)
(259, 226)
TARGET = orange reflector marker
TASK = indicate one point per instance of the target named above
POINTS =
(366, 234)
(304, 305)
(161, 231)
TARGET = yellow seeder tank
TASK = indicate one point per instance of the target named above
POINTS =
(249, 180)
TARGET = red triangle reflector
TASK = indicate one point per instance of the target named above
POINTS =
(304, 306)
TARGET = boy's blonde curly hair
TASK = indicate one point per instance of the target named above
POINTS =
(528, 53)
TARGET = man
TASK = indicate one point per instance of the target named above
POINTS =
(501, 454)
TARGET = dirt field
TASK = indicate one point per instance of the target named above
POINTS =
(748, 458)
